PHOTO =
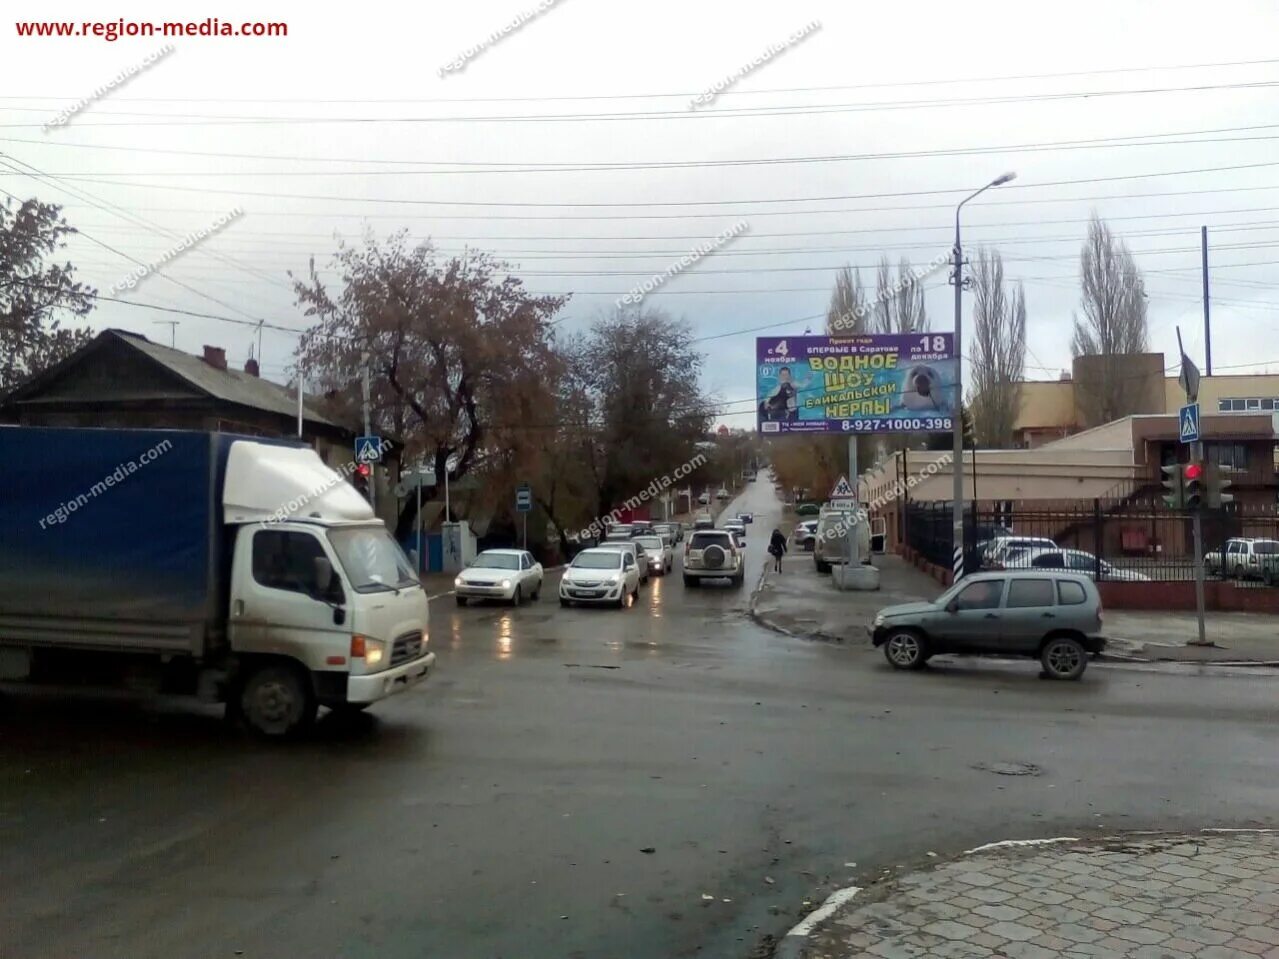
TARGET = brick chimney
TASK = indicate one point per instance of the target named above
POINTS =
(251, 367)
(215, 356)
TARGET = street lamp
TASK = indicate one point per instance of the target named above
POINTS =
(956, 466)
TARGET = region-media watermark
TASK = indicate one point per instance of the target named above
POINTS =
(113, 30)
(773, 50)
(641, 290)
(900, 487)
(105, 89)
(849, 318)
(460, 61)
(118, 475)
(342, 474)
(137, 275)
(654, 489)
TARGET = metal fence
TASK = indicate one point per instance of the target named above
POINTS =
(1142, 536)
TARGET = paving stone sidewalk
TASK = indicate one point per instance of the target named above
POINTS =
(1202, 896)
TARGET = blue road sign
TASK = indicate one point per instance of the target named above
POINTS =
(368, 449)
(1189, 420)
(523, 499)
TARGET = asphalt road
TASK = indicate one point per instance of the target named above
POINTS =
(506, 810)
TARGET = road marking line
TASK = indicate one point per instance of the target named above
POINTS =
(833, 902)
(1011, 843)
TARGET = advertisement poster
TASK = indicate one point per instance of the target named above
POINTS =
(871, 383)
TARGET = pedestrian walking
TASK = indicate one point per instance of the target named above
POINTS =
(777, 546)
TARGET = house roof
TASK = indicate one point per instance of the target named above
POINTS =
(228, 386)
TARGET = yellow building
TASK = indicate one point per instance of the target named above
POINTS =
(1055, 409)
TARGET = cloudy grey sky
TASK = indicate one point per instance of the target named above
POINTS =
(569, 149)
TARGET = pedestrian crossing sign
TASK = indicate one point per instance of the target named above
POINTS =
(1189, 420)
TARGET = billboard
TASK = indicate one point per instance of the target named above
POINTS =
(866, 383)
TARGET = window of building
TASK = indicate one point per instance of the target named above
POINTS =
(1245, 404)
(1228, 455)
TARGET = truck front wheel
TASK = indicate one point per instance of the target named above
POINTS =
(277, 701)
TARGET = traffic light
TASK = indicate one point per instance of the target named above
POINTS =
(1193, 474)
(1174, 484)
(361, 479)
(1217, 485)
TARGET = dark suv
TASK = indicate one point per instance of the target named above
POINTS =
(1055, 617)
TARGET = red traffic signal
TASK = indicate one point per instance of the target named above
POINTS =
(1193, 471)
(362, 469)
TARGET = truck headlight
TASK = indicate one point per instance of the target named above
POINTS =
(372, 651)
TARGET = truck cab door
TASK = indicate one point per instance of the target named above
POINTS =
(276, 604)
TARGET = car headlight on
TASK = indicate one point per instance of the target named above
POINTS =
(459, 581)
(506, 584)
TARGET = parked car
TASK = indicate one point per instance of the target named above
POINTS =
(808, 509)
(660, 555)
(1245, 558)
(704, 499)
(830, 543)
(506, 574)
(1075, 560)
(600, 576)
(805, 535)
(995, 554)
(637, 552)
(713, 554)
(722, 494)
(746, 517)
(1055, 617)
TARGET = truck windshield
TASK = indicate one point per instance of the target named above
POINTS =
(372, 559)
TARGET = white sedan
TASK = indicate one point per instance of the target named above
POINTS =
(505, 574)
(600, 576)
(659, 552)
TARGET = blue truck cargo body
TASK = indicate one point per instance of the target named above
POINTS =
(112, 538)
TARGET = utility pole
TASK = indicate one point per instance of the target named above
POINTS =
(1190, 383)
(957, 459)
(299, 401)
(364, 390)
(1203, 245)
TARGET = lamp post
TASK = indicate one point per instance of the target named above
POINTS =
(957, 463)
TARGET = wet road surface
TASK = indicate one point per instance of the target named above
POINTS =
(505, 810)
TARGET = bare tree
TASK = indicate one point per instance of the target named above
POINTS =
(899, 302)
(1113, 327)
(848, 310)
(999, 351)
(34, 290)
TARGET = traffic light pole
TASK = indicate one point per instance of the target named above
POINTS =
(1196, 456)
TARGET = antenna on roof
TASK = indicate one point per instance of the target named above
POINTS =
(173, 331)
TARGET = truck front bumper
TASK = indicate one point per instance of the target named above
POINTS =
(371, 688)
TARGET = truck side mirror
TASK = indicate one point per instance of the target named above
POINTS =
(323, 575)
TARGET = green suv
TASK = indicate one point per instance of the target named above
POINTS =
(1054, 617)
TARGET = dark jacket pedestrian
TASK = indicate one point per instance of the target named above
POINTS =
(777, 546)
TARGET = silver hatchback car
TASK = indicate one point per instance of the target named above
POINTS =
(1054, 617)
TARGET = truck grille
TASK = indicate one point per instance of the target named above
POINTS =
(405, 648)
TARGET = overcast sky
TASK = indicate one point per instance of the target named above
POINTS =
(346, 125)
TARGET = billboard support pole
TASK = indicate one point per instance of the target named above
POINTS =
(852, 479)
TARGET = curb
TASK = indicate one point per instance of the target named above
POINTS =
(792, 944)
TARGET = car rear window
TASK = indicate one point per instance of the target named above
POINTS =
(1070, 594)
(1030, 592)
(703, 540)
